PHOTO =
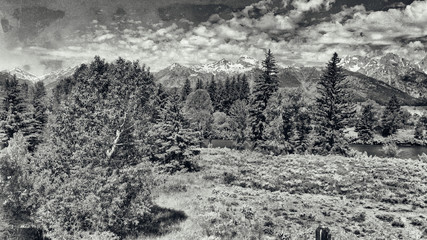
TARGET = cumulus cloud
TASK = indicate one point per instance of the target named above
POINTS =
(258, 27)
(312, 5)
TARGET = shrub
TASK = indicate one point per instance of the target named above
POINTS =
(390, 149)
(398, 223)
(385, 218)
(361, 217)
(423, 157)
(229, 178)
(94, 199)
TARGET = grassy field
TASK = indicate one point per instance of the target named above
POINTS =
(247, 195)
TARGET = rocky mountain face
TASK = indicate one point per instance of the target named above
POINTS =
(398, 72)
(176, 74)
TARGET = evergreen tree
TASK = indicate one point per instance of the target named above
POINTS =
(264, 87)
(301, 130)
(198, 112)
(219, 96)
(159, 102)
(420, 128)
(391, 118)
(92, 172)
(234, 90)
(244, 90)
(239, 120)
(213, 91)
(39, 115)
(170, 139)
(199, 84)
(226, 98)
(365, 124)
(186, 90)
(14, 110)
(332, 111)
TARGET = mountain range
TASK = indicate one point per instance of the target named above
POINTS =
(375, 78)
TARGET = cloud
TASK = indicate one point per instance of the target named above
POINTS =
(311, 5)
(267, 24)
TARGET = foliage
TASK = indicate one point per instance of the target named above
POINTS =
(212, 90)
(239, 120)
(264, 86)
(221, 125)
(186, 89)
(366, 123)
(40, 116)
(92, 174)
(199, 84)
(332, 111)
(289, 123)
(420, 128)
(16, 179)
(391, 118)
(390, 149)
(170, 140)
(14, 114)
(198, 112)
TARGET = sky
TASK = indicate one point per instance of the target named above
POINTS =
(47, 35)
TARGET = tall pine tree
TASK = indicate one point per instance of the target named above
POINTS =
(39, 116)
(213, 91)
(264, 86)
(332, 111)
(244, 90)
(186, 89)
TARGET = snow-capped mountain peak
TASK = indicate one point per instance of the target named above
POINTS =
(175, 66)
(22, 74)
(391, 69)
(248, 60)
(242, 65)
(57, 75)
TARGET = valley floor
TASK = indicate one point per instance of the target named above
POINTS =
(247, 195)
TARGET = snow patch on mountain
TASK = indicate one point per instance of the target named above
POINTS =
(242, 65)
(22, 74)
(57, 75)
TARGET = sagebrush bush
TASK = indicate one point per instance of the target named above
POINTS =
(390, 149)
(423, 157)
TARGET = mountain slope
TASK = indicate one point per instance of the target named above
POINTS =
(362, 87)
(393, 70)
(21, 75)
(52, 79)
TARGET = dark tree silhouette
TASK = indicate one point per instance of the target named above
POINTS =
(332, 111)
(186, 90)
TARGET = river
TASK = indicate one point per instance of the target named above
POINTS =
(372, 150)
